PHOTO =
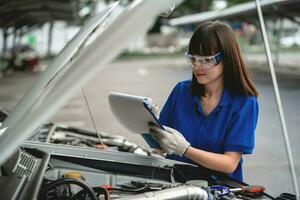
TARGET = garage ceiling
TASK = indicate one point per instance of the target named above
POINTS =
(20, 13)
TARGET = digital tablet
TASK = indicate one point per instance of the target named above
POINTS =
(134, 113)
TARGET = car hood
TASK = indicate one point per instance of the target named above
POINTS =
(68, 72)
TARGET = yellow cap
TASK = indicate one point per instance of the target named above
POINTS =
(72, 175)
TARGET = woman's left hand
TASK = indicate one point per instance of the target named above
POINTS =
(155, 110)
(171, 141)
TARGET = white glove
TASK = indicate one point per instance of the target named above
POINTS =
(155, 110)
(170, 140)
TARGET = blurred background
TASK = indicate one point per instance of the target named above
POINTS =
(34, 32)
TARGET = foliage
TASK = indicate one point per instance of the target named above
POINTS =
(192, 6)
(234, 2)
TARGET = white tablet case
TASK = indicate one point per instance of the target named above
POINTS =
(134, 113)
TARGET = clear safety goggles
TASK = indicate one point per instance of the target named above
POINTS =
(204, 62)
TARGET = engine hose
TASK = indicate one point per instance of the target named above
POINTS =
(188, 192)
(99, 190)
(65, 181)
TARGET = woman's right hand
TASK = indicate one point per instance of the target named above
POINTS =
(170, 140)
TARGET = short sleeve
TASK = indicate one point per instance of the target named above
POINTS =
(241, 131)
(166, 114)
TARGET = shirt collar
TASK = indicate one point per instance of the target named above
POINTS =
(226, 98)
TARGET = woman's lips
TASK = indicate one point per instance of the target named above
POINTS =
(200, 74)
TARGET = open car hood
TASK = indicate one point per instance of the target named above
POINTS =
(69, 71)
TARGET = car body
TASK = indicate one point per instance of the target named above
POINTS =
(290, 41)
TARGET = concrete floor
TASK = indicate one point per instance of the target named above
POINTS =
(155, 78)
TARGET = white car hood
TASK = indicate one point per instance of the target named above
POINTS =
(57, 88)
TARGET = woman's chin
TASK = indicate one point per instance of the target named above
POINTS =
(202, 81)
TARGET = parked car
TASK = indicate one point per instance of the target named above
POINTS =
(21, 58)
(292, 40)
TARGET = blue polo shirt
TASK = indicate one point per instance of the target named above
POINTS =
(229, 127)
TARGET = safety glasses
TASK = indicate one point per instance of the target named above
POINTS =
(203, 62)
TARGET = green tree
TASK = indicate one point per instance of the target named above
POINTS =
(192, 6)
(234, 2)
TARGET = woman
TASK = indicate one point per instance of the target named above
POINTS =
(211, 119)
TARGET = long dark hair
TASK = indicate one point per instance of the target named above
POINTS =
(212, 37)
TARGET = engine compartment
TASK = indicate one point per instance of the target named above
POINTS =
(117, 185)
(61, 162)
(50, 171)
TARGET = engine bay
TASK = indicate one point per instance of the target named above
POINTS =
(52, 171)
(61, 162)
